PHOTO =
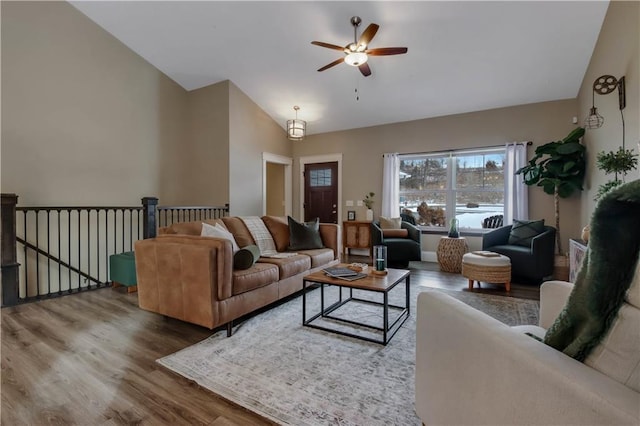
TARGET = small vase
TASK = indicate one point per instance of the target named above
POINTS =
(585, 233)
(453, 229)
(369, 214)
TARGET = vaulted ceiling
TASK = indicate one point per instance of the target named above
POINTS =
(463, 56)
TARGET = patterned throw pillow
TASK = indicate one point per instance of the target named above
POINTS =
(304, 236)
(523, 231)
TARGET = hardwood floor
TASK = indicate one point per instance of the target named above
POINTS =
(89, 359)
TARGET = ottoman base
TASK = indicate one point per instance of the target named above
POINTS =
(493, 268)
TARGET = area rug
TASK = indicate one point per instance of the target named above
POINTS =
(295, 375)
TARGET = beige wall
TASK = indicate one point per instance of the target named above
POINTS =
(251, 133)
(363, 148)
(208, 158)
(275, 189)
(616, 53)
(85, 121)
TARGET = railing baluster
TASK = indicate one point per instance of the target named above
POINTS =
(79, 249)
(88, 242)
(37, 254)
(26, 269)
(48, 251)
(60, 255)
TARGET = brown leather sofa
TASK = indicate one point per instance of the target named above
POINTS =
(191, 278)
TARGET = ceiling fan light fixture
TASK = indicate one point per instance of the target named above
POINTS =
(356, 59)
(296, 129)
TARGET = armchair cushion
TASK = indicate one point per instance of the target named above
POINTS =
(390, 222)
(395, 233)
(523, 231)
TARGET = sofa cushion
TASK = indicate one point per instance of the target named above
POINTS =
(219, 231)
(523, 231)
(304, 236)
(259, 275)
(390, 222)
(246, 257)
(240, 232)
(279, 229)
(289, 266)
(319, 257)
(189, 228)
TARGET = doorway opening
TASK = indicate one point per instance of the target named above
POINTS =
(276, 185)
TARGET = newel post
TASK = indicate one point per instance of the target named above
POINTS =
(9, 255)
(149, 223)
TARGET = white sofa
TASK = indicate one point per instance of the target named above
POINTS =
(474, 370)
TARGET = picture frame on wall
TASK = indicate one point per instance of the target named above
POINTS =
(351, 215)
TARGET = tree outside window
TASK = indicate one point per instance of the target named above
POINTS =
(467, 185)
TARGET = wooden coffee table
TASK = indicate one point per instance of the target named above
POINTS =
(375, 283)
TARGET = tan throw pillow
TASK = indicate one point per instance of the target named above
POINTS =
(390, 222)
(395, 233)
(279, 229)
(240, 232)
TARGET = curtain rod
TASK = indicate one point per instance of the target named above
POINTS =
(527, 143)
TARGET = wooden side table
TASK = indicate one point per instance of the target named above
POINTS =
(450, 252)
(356, 234)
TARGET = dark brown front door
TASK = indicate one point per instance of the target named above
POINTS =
(321, 192)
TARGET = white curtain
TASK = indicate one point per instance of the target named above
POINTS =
(390, 206)
(516, 194)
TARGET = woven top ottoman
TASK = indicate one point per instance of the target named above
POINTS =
(487, 266)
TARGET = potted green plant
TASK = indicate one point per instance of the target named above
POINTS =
(559, 168)
(619, 163)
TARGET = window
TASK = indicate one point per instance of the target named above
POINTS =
(320, 177)
(466, 185)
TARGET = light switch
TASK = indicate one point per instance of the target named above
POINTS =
(360, 203)
(349, 203)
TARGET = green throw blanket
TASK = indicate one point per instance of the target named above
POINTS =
(607, 270)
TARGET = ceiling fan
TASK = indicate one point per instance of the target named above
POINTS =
(357, 53)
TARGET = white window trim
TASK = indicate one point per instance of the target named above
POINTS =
(450, 205)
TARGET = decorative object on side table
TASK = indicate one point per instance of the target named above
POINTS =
(453, 229)
(351, 215)
(368, 202)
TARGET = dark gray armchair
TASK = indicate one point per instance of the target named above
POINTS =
(531, 263)
(400, 250)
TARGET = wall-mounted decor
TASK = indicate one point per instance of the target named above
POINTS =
(351, 215)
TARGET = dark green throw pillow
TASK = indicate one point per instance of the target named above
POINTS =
(523, 231)
(246, 257)
(304, 236)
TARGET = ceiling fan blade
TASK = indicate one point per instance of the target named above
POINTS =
(368, 34)
(328, 46)
(364, 69)
(383, 51)
(332, 64)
